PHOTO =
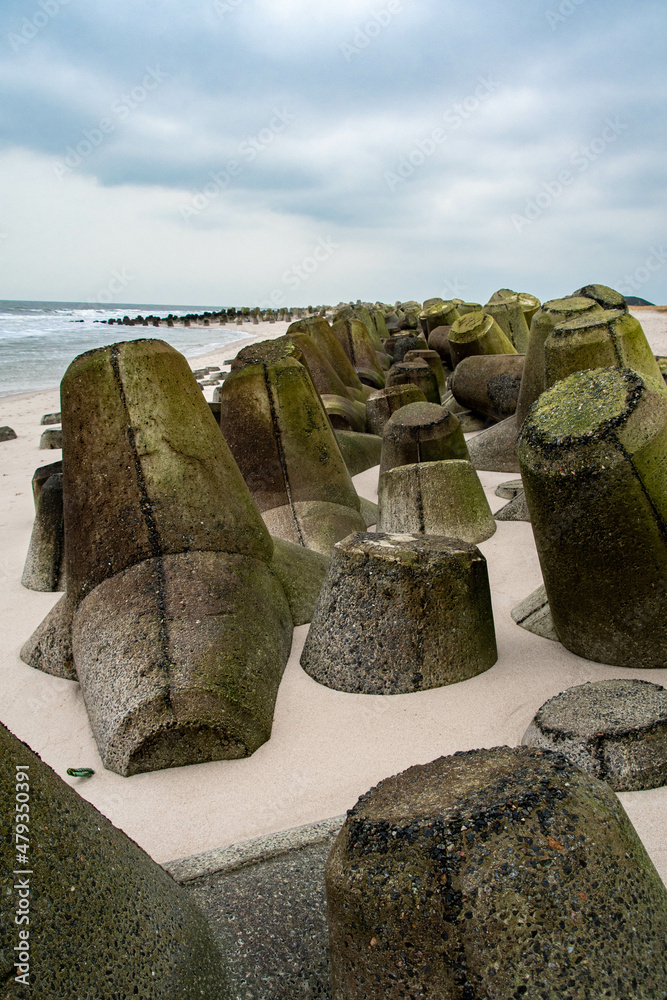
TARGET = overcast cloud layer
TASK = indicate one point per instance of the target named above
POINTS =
(278, 152)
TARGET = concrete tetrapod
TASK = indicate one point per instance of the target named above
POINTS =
(496, 873)
(400, 613)
(101, 918)
(44, 565)
(477, 333)
(319, 330)
(285, 447)
(433, 360)
(421, 432)
(593, 456)
(511, 318)
(615, 730)
(383, 402)
(595, 340)
(439, 314)
(438, 340)
(605, 296)
(544, 320)
(435, 498)
(180, 629)
(417, 373)
(355, 340)
(489, 383)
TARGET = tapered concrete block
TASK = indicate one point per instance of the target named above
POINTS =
(383, 402)
(606, 297)
(41, 475)
(344, 414)
(489, 384)
(44, 565)
(355, 340)
(281, 438)
(597, 340)
(545, 319)
(439, 314)
(435, 498)
(361, 314)
(421, 432)
(314, 524)
(145, 469)
(494, 449)
(50, 439)
(477, 333)
(359, 451)
(511, 319)
(301, 572)
(101, 918)
(417, 373)
(494, 873)
(593, 455)
(529, 303)
(180, 658)
(433, 360)
(615, 730)
(402, 345)
(438, 340)
(319, 330)
(49, 648)
(399, 613)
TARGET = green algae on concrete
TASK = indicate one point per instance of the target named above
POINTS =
(104, 919)
(359, 451)
(593, 456)
(383, 402)
(545, 319)
(435, 498)
(417, 373)
(145, 471)
(438, 314)
(597, 340)
(477, 333)
(434, 361)
(180, 658)
(344, 414)
(421, 432)
(605, 296)
(301, 572)
(495, 874)
(314, 524)
(319, 330)
(355, 340)
(511, 319)
(279, 434)
(400, 613)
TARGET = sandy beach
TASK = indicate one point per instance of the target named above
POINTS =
(327, 747)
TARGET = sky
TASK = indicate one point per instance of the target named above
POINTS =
(297, 152)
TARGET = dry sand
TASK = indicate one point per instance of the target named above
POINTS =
(327, 748)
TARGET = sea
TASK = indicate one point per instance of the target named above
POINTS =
(38, 340)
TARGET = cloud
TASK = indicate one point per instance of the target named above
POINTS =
(370, 122)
